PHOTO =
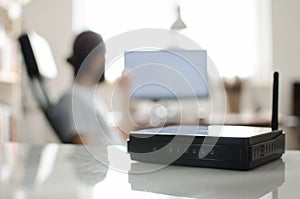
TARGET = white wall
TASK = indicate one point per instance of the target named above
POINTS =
(286, 47)
(53, 20)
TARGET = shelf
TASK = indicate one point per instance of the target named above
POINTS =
(9, 78)
(5, 121)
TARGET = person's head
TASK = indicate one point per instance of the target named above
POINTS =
(88, 45)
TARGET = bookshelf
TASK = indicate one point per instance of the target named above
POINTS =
(10, 70)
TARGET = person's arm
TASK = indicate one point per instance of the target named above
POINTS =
(126, 124)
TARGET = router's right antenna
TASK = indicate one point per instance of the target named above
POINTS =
(274, 122)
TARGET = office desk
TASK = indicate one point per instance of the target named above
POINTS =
(66, 171)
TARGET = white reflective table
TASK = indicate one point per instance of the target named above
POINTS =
(67, 171)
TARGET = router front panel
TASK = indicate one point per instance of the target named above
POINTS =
(198, 148)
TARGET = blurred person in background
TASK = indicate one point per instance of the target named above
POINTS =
(80, 112)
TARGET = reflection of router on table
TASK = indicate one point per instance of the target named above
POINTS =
(209, 183)
(230, 147)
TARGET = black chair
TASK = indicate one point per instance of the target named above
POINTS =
(35, 50)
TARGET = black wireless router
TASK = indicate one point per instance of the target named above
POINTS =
(215, 146)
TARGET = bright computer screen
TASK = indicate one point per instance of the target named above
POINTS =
(167, 73)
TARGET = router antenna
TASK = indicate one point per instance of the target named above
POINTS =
(274, 122)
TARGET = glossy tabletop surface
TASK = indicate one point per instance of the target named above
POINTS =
(67, 171)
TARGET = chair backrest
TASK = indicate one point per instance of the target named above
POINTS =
(39, 64)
